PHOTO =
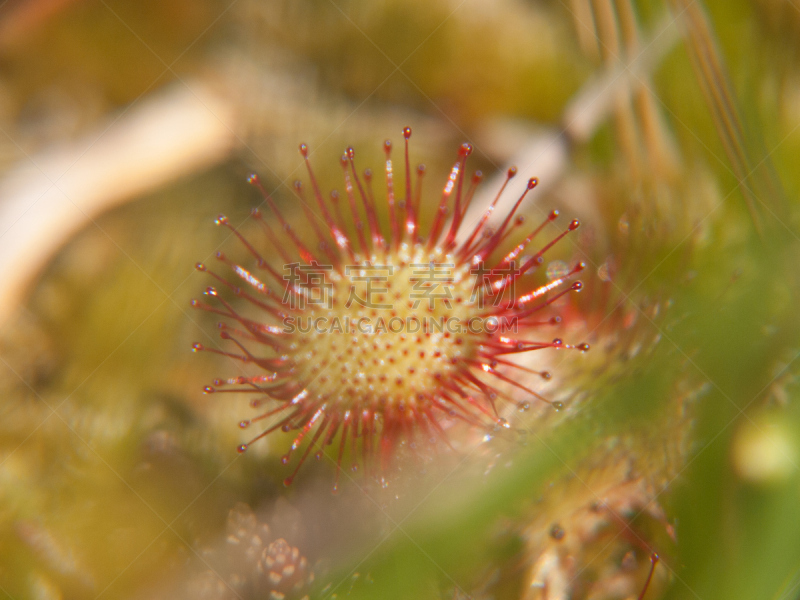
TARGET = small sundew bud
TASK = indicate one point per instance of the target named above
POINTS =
(574, 225)
(764, 451)
(417, 324)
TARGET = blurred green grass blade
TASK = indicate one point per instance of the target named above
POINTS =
(759, 187)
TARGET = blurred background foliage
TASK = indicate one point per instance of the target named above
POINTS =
(670, 128)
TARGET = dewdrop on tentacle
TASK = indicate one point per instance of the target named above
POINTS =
(374, 334)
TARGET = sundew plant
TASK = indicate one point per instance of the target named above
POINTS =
(543, 348)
